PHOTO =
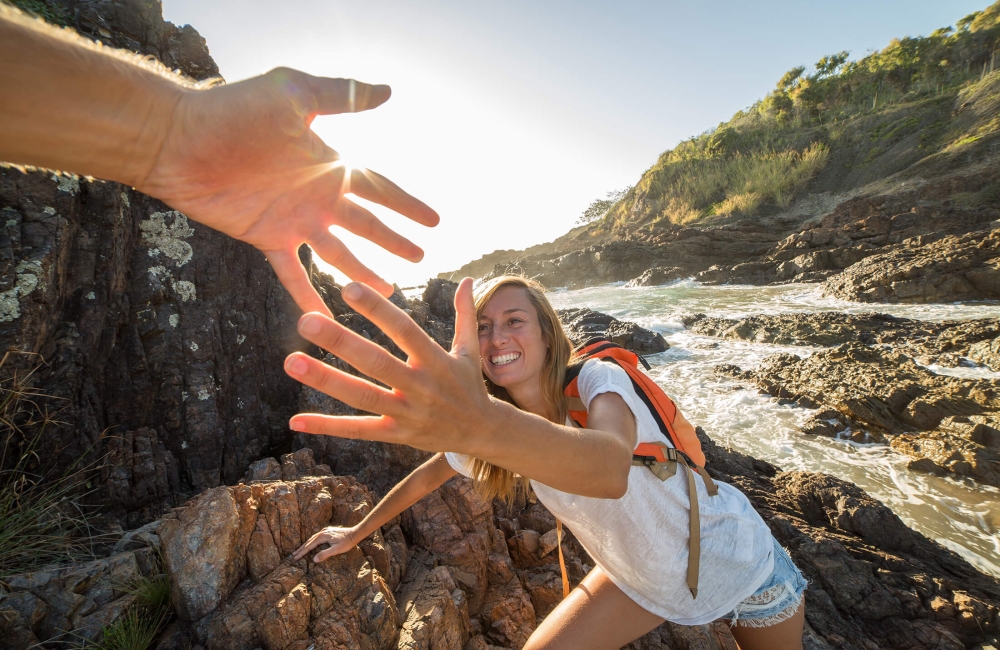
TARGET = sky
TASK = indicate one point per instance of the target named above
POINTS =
(509, 118)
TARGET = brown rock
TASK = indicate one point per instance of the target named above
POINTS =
(204, 547)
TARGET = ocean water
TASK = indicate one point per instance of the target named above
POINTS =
(961, 515)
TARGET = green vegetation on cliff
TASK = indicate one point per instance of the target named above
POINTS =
(842, 126)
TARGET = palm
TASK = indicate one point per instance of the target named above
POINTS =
(243, 160)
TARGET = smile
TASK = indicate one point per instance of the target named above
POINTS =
(504, 359)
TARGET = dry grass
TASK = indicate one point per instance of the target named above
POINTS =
(42, 519)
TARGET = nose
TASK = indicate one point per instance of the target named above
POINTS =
(498, 337)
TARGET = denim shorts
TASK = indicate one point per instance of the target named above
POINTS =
(776, 600)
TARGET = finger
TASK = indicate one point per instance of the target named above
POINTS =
(379, 189)
(363, 223)
(293, 276)
(310, 543)
(392, 320)
(466, 341)
(308, 546)
(335, 253)
(322, 555)
(369, 358)
(353, 391)
(379, 429)
(346, 95)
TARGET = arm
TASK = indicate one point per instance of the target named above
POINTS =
(421, 482)
(238, 158)
(438, 402)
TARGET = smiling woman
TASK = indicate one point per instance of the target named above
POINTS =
(666, 546)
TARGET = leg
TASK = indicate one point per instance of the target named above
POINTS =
(596, 615)
(786, 635)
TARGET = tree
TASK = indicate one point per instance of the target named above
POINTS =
(828, 65)
(599, 208)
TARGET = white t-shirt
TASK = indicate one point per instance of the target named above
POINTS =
(641, 539)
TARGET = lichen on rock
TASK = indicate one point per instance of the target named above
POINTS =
(168, 239)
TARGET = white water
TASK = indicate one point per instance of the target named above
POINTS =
(959, 514)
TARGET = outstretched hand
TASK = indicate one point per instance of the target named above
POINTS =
(340, 540)
(242, 159)
(435, 398)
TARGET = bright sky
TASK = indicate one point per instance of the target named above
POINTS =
(510, 117)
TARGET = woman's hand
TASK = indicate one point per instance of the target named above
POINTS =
(436, 399)
(341, 540)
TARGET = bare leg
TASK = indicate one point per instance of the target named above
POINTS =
(786, 635)
(596, 615)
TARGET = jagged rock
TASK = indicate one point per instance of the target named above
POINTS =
(440, 298)
(883, 393)
(658, 275)
(162, 340)
(987, 353)
(74, 601)
(930, 342)
(584, 323)
(433, 609)
(952, 268)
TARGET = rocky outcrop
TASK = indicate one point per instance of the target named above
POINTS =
(945, 270)
(949, 344)
(472, 574)
(881, 394)
(159, 341)
(582, 324)
(657, 275)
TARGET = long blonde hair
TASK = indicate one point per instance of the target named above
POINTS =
(491, 481)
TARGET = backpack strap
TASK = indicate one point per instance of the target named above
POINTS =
(663, 461)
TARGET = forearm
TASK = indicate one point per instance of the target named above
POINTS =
(421, 482)
(70, 105)
(591, 462)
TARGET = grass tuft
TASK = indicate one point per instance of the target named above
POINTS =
(42, 518)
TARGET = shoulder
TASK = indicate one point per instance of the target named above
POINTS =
(598, 376)
(461, 463)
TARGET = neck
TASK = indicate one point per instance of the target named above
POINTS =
(531, 401)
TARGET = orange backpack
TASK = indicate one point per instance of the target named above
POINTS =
(672, 424)
(658, 457)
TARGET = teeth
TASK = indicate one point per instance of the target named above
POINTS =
(504, 359)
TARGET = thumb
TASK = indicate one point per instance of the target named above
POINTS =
(466, 341)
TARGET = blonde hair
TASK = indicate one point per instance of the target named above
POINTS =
(491, 481)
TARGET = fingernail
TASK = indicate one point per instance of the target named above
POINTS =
(310, 325)
(351, 291)
(296, 424)
(296, 366)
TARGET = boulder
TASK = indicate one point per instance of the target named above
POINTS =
(949, 269)
(582, 324)
(656, 276)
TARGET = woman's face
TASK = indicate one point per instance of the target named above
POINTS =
(510, 340)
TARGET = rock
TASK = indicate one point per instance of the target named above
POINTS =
(932, 342)
(433, 609)
(440, 298)
(987, 353)
(163, 340)
(204, 548)
(582, 324)
(883, 393)
(77, 600)
(949, 269)
(227, 552)
(658, 275)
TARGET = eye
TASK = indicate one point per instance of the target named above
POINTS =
(515, 321)
(483, 327)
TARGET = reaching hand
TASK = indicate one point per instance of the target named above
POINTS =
(341, 540)
(436, 398)
(242, 159)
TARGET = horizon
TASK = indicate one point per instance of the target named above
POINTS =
(496, 120)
